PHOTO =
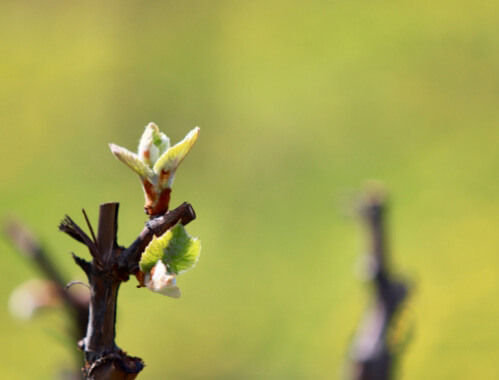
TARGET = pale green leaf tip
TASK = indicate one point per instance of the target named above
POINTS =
(130, 159)
(173, 157)
(153, 134)
(114, 148)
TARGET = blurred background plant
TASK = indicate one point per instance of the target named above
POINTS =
(298, 102)
(49, 291)
(385, 329)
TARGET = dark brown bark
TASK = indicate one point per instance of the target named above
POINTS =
(104, 286)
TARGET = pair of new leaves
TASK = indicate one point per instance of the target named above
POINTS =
(156, 163)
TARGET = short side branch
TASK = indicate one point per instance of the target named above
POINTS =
(129, 259)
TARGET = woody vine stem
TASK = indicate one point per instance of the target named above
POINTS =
(160, 252)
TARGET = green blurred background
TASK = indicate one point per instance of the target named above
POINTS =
(298, 103)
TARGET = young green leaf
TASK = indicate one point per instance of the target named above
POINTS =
(176, 249)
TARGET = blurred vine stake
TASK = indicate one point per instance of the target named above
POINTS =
(379, 341)
(161, 251)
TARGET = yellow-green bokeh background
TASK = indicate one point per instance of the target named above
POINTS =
(298, 103)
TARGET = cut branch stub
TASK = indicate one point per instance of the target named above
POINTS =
(107, 232)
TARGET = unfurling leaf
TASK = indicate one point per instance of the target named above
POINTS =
(176, 249)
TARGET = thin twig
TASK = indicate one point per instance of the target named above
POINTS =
(72, 229)
(89, 225)
(72, 283)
